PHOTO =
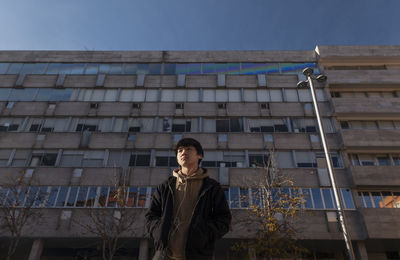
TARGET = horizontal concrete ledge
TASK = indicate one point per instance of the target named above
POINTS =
(157, 56)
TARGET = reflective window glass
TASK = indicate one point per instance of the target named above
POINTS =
(4, 94)
(112, 197)
(92, 68)
(25, 94)
(244, 197)
(91, 197)
(31, 198)
(41, 196)
(316, 194)
(170, 69)
(115, 68)
(376, 197)
(103, 197)
(80, 202)
(234, 197)
(130, 68)
(328, 198)
(34, 68)
(142, 197)
(52, 197)
(62, 195)
(256, 197)
(367, 200)
(132, 197)
(3, 68)
(15, 68)
(72, 196)
(307, 198)
(347, 198)
(384, 161)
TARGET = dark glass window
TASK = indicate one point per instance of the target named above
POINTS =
(84, 127)
(91, 197)
(281, 128)
(344, 125)
(80, 202)
(134, 129)
(72, 196)
(52, 197)
(48, 159)
(62, 195)
(258, 160)
(222, 126)
(139, 160)
(384, 161)
(35, 127)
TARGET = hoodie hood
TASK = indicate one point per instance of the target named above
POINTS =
(183, 179)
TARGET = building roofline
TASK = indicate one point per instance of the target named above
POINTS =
(158, 56)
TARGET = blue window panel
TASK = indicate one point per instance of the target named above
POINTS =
(112, 198)
(4, 94)
(132, 197)
(376, 197)
(155, 69)
(3, 68)
(116, 68)
(105, 68)
(15, 68)
(170, 69)
(259, 68)
(62, 196)
(347, 198)
(193, 68)
(34, 68)
(130, 69)
(67, 68)
(3, 193)
(92, 68)
(72, 196)
(91, 197)
(61, 95)
(328, 198)
(143, 69)
(142, 197)
(208, 68)
(25, 94)
(54, 68)
(44, 94)
(21, 196)
(41, 196)
(81, 201)
(244, 198)
(295, 67)
(367, 199)
(52, 197)
(256, 197)
(226, 193)
(234, 198)
(316, 194)
(31, 196)
(307, 198)
(181, 68)
(103, 197)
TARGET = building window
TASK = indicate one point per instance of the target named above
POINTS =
(44, 159)
(229, 125)
(166, 159)
(140, 159)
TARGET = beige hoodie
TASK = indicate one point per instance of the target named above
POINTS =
(185, 198)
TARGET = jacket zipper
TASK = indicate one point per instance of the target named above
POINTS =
(191, 218)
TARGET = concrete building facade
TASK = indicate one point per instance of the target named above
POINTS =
(70, 119)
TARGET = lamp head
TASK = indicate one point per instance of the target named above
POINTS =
(308, 72)
(302, 84)
(321, 78)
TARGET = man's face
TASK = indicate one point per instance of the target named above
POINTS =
(188, 157)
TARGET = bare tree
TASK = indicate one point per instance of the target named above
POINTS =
(18, 199)
(112, 218)
(277, 205)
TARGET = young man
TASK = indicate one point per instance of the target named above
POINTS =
(189, 211)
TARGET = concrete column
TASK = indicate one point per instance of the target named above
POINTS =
(361, 251)
(36, 250)
(143, 249)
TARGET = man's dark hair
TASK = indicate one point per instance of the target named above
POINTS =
(186, 142)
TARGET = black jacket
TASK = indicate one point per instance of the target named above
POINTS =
(210, 221)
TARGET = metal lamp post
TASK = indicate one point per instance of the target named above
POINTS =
(308, 72)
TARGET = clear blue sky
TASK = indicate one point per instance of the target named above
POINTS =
(196, 24)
